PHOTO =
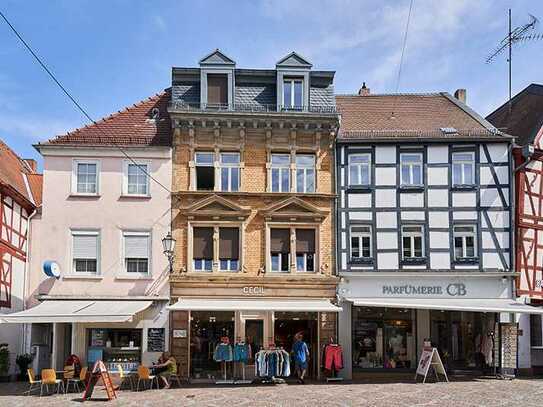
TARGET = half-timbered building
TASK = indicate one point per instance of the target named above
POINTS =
(523, 118)
(424, 232)
(20, 196)
(253, 210)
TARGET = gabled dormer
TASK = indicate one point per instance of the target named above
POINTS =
(293, 82)
(217, 81)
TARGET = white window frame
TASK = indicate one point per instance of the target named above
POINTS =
(464, 235)
(305, 176)
(280, 262)
(147, 165)
(75, 165)
(412, 235)
(359, 235)
(359, 169)
(411, 165)
(281, 168)
(145, 233)
(85, 232)
(463, 164)
(290, 82)
(211, 165)
(229, 167)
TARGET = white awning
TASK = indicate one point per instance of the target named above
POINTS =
(475, 305)
(253, 304)
(78, 311)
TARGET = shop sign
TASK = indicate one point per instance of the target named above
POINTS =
(452, 290)
(250, 290)
(179, 333)
(430, 358)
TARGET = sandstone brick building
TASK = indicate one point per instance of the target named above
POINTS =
(253, 208)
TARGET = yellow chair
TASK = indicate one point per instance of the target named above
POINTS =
(76, 381)
(49, 377)
(69, 372)
(144, 375)
(125, 377)
(34, 384)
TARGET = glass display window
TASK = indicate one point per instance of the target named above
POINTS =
(115, 347)
(383, 338)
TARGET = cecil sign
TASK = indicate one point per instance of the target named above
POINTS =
(453, 289)
(253, 290)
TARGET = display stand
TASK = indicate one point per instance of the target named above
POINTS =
(430, 358)
(224, 380)
(99, 371)
(243, 380)
(334, 370)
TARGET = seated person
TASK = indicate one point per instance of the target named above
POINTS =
(167, 367)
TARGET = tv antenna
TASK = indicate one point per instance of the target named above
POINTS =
(519, 34)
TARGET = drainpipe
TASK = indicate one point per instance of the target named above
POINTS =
(26, 276)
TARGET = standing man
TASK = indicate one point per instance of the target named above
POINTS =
(301, 356)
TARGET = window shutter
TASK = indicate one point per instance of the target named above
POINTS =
(229, 243)
(305, 240)
(202, 243)
(136, 246)
(85, 246)
(280, 240)
(217, 86)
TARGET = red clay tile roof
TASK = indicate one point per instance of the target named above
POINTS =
(35, 182)
(526, 118)
(408, 116)
(13, 171)
(132, 126)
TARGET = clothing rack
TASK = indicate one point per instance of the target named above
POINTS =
(271, 365)
(335, 369)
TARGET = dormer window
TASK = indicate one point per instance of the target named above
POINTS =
(217, 90)
(293, 91)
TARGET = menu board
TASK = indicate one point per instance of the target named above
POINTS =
(156, 339)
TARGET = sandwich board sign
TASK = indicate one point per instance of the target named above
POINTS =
(430, 358)
(99, 371)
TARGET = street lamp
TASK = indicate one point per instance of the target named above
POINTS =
(168, 244)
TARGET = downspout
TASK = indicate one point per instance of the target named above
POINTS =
(27, 273)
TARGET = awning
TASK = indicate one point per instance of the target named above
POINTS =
(78, 311)
(253, 304)
(475, 305)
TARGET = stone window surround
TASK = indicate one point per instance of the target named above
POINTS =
(292, 152)
(216, 165)
(292, 226)
(216, 263)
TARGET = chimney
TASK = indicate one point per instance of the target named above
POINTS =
(364, 91)
(31, 163)
(460, 94)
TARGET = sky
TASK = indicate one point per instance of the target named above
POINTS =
(111, 54)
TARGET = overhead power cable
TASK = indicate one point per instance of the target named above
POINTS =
(76, 103)
(404, 46)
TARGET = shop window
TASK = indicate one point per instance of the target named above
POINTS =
(217, 90)
(536, 330)
(464, 242)
(359, 169)
(85, 251)
(411, 169)
(293, 94)
(413, 242)
(230, 172)
(463, 168)
(229, 249)
(202, 246)
(136, 179)
(205, 171)
(280, 250)
(383, 338)
(280, 173)
(360, 243)
(137, 250)
(85, 177)
(305, 250)
(115, 347)
(305, 173)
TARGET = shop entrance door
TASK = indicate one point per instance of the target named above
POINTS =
(254, 336)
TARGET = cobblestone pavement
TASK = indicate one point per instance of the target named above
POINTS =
(481, 392)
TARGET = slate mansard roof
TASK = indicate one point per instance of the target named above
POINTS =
(525, 121)
(436, 116)
(253, 87)
(17, 175)
(134, 126)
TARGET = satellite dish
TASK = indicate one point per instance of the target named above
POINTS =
(51, 268)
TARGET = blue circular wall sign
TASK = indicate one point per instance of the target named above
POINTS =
(51, 268)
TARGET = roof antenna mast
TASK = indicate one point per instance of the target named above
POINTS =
(514, 36)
